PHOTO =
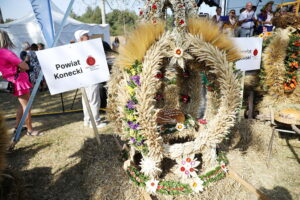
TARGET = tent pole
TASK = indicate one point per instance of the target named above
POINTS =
(102, 5)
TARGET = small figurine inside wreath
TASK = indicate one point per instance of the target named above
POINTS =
(156, 99)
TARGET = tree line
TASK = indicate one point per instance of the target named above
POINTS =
(120, 21)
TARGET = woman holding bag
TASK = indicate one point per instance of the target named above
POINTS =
(14, 70)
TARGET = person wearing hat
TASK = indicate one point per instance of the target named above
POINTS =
(230, 25)
(92, 91)
(265, 18)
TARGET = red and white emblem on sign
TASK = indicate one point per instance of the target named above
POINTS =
(255, 52)
(90, 61)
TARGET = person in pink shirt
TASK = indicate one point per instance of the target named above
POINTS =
(13, 70)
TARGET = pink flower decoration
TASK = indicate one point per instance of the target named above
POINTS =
(202, 121)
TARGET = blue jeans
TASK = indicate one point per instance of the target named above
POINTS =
(246, 32)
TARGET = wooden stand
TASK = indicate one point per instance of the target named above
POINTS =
(86, 101)
(232, 174)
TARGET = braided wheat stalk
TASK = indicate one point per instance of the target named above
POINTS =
(218, 127)
(145, 95)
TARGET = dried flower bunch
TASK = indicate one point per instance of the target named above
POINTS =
(154, 96)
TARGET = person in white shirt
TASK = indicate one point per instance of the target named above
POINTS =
(247, 20)
(217, 18)
(92, 91)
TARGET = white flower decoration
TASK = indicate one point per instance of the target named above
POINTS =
(197, 184)
(186, 167)
(178, 53)
(149, 167)
(224, 168)
(151, 186)
(192, 122)
(180, 126)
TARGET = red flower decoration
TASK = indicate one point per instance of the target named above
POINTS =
(209, 88)
(185, 98)
(160, 76)
(186, 74)
(182, 169)
(297, 43)
(154, 6)
(159, 97)
(181, 22)
(202, 121)
(141, 12)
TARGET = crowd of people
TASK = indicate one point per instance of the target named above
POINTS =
(249, 23)
(28, 54)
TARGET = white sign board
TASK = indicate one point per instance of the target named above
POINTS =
(251, 50)
(74, 66)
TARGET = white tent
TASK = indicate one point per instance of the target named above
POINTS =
(28, 29)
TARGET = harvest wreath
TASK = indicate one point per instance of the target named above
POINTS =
(155, 98)
(280, 74)
(292, 62)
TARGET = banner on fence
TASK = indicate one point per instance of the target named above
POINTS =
(251, 50)
(74, 66)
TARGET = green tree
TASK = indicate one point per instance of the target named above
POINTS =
(73, 15)
(120, 21)
(92, 16)
(8, 20)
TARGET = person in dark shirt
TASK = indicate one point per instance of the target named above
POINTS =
(265, 18)
(25, 49)
(23, 54)
(41, 46)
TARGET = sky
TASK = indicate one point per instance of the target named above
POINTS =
(16, 9)
(10, 10)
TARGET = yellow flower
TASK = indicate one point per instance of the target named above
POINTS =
(130, 90)
(261, 35)
(180, 126)
(133, 72)
(131, 117)
(268, 33)
(131, 132)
